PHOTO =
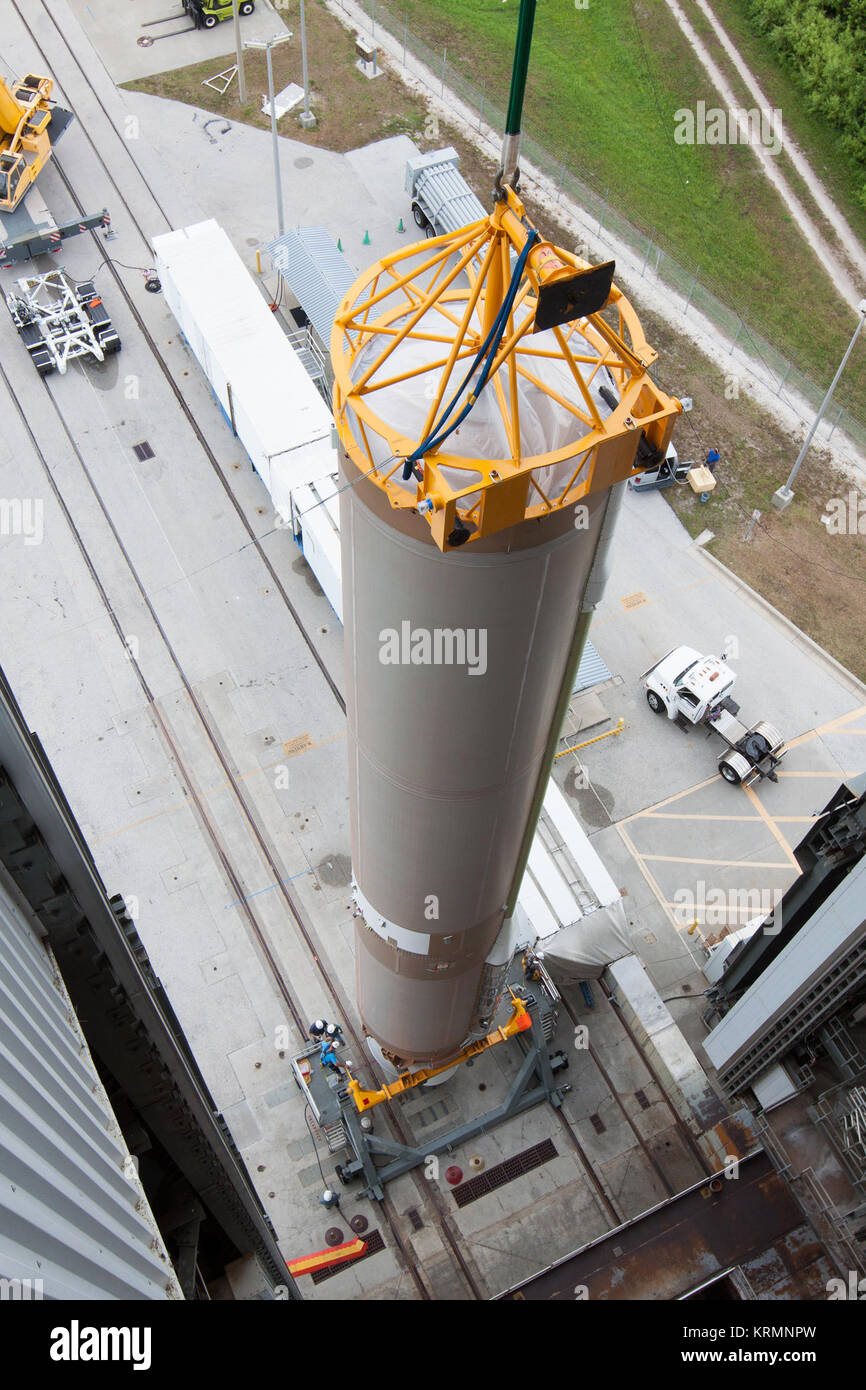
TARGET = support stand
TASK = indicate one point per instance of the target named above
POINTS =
(534, 1083)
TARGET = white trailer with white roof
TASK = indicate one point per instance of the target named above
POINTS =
(258, 379)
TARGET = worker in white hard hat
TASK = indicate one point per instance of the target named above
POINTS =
(317, 1029)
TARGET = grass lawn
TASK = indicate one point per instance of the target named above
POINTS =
(351, 110)
(603, 87)
(819, 140)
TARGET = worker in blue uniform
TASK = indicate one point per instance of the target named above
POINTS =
(327, 1056)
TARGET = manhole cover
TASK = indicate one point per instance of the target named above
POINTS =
(359, 1224)
(145, 41)
(333, 1236)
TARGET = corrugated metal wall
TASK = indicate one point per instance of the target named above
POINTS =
(72, 1211)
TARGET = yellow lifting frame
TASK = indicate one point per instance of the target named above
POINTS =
(463, 277)
(519, 1022)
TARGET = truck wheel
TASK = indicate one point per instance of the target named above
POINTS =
(768, 732)
(209, 21)
(247, 7)
(420, 219)
(730, 774)
(654, 702)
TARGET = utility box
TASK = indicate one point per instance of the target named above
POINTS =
(701, 479)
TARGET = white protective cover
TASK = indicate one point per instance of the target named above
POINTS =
(582, 950)
(545, 425)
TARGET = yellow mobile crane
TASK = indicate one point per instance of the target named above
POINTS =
(29, 124)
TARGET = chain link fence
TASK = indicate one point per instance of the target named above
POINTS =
(777, 372)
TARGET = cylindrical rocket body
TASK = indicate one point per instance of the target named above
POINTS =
(454, 664)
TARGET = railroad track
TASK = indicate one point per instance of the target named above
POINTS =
(295, 909)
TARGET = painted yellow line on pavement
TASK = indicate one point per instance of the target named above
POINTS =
(724, 863)
(771, 826)
(683, 815)
(831, 727)
(657, 892)
(837, 776)
(668, 800)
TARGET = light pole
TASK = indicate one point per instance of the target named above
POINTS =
(267, 45)
(783, 495)
(308, 120)
(239, 50)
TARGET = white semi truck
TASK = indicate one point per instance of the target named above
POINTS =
(693, 689)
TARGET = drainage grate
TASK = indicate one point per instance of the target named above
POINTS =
(597, 1123)
(415, 1217)
(143, 451)
(641, 1100)
(505, 1172)
(375, 1243)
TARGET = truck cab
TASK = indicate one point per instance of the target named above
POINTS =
(662, 475)
(687, 685)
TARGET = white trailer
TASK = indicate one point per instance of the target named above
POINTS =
(441, 199)
(260, 382)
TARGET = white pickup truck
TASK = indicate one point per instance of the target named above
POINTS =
(694, 689)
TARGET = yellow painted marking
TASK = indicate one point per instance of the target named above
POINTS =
(635, 600)
(659, 895)
(772, 827)
(832, 726)
(725, 863)
(682, 815)
(669, 593)
(670, 799)
(293, 746)
(837, 776)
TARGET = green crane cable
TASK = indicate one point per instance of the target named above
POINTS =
(520, 66)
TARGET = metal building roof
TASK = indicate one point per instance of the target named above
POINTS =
(316, 272)
(72, 1209)
(591, 671)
